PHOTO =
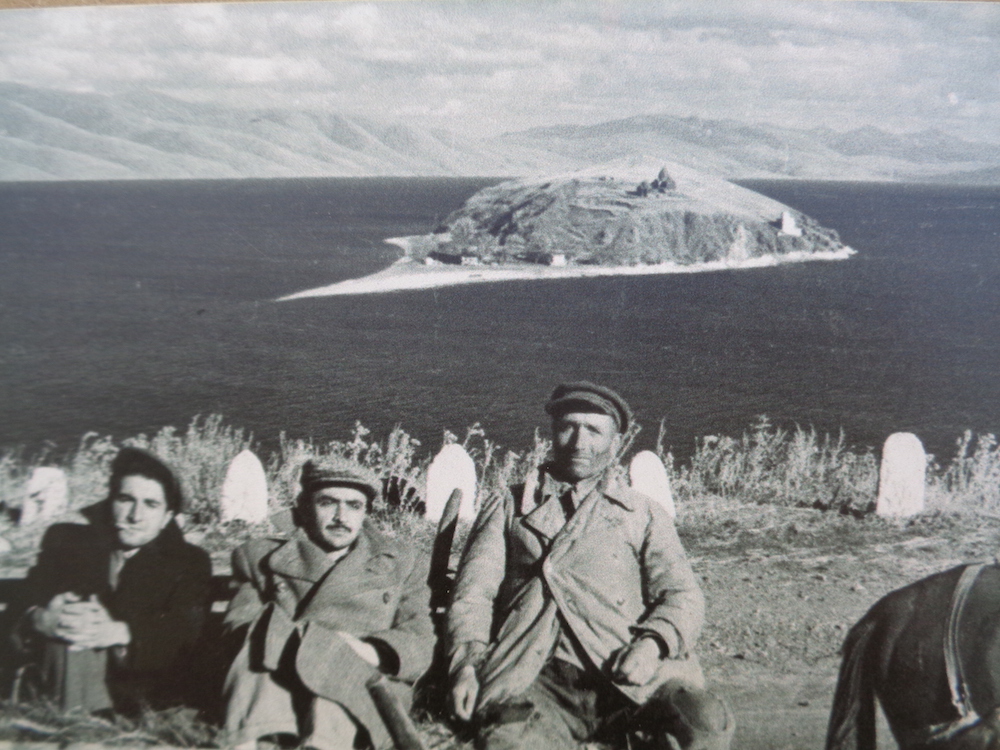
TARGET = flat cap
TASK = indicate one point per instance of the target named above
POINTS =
(339, 472)
(591, 397)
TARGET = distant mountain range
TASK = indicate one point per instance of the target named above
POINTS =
(47, 134)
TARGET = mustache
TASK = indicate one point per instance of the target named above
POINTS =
(335, 525)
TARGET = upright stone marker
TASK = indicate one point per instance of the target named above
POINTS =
(47, 495)
(648, 475)
(244, 490)
(901, 477)
(452, 468)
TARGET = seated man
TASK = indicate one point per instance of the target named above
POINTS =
(575, 611)
(324, 611)
(118, 603)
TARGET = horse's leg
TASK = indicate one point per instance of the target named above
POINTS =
(852, 718)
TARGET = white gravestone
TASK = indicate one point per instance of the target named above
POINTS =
(244, 490)
(901, 477)
(648, 475)
(452, 468)
(47, 495)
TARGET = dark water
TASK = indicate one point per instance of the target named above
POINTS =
(128, 306)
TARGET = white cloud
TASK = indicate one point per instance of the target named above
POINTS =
(490, 66)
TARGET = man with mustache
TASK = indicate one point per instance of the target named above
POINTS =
(118, 603)
(322, 611)
(575, 611)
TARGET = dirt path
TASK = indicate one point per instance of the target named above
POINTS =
(779, 607)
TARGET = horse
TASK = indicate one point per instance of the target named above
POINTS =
(930, 653)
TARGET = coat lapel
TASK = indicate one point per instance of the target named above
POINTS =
(300, 558)
(614, 490)
(548, 517)
(367, 565)
(147, 575)
(370, 564)
(593, 518)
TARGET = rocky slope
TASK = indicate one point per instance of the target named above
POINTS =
(596, 218)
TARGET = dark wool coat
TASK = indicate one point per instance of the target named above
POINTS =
(163, 595)
(377, 592)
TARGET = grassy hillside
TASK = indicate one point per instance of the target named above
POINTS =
(143, 134)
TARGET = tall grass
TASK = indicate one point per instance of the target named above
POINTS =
(765, 465)
(768, 464)
(972, 479)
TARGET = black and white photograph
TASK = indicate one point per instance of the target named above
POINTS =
(500, 375)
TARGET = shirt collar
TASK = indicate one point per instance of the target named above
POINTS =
(606, 482)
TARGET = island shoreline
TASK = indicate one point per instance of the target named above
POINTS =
(408, 275)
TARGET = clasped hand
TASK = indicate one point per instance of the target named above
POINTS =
(83, 623)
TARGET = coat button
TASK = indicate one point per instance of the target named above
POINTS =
(385, 597)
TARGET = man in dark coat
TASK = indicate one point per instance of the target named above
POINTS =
(116, 604)
(575, 611)
(324, 611)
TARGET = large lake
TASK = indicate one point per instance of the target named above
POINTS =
(126, 306)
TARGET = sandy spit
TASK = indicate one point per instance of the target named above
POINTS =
(407, 275)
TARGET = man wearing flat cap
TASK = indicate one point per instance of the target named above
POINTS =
(575, 611)
(323, 611)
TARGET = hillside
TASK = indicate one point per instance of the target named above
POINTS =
(735, 149)
(56, 135)
(47, 134)
(597, 219)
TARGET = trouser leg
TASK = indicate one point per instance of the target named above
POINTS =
(682, 717)
(558, 712)
(537, 724)
(329, 727)
(256, 704)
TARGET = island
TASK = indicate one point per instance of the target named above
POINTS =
(600, 223)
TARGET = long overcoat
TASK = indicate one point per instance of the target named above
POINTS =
(615, 569)
(377, 591)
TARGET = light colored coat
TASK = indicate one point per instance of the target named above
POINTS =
(614, 570)
(377, 591)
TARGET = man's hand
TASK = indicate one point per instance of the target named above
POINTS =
(46, 619)
(366, 651)
(637, 663)
(81, 623)
(102, 635)
(464, 691)
(87, 624)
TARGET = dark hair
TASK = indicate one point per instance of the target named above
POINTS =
(137, 462)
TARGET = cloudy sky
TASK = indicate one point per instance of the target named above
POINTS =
(487, 67)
